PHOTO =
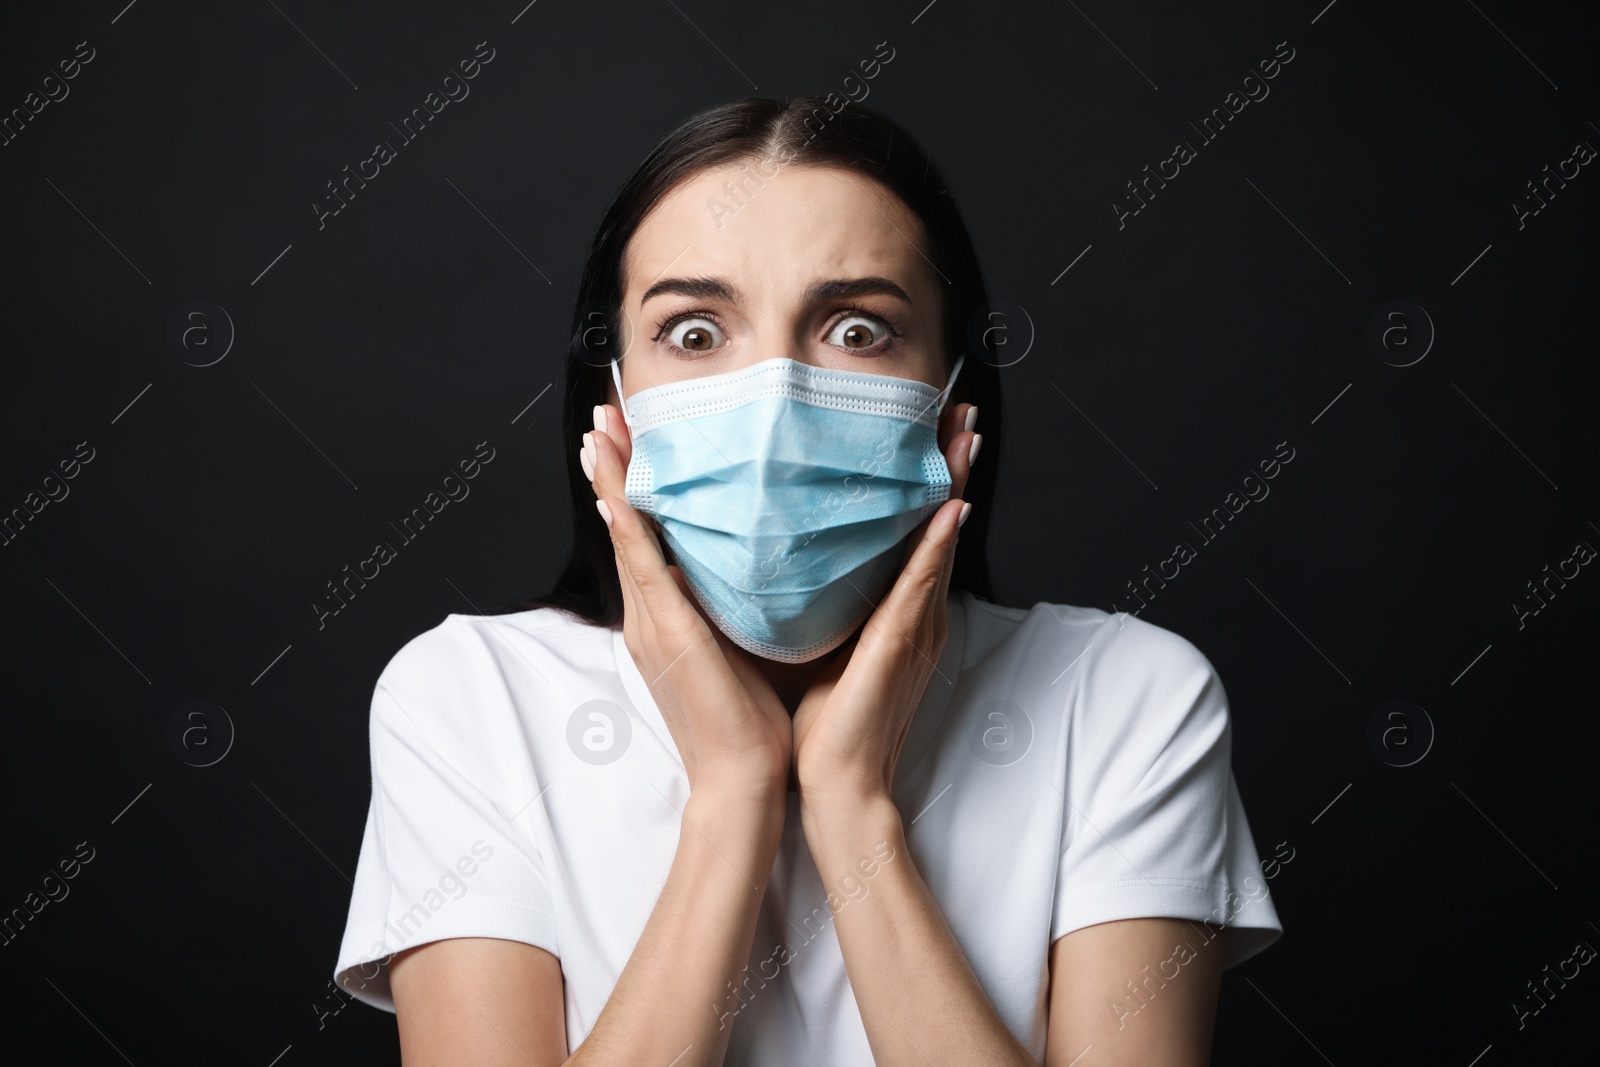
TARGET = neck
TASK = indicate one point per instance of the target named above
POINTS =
(791, 680)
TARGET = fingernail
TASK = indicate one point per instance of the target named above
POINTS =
(972, 417)
(588, 467)
(600, 418)
(588, 448)
(605, 512)
(966, 509)
(972, 453)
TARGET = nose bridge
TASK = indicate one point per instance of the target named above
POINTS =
(777, 330)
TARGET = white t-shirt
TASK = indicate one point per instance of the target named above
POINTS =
(1066, 767)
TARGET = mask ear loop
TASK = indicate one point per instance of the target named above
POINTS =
(944, 394)
(616, 376)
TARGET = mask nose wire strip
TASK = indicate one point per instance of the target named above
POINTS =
(939, 402)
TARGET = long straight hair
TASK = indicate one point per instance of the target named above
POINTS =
(797, 130)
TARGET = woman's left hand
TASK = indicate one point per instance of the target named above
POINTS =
(854, 717)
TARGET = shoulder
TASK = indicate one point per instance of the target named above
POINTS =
(461, 640)
(1149, 707)
(1113, 675)
(1143, 660)
(467, 666)
(1105, 648)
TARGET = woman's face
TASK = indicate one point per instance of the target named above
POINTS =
(820, 264)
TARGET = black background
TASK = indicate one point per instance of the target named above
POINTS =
(1178, 350)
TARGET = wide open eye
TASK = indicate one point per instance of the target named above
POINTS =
(694, 334)
(859, 332)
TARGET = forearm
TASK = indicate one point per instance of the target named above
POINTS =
(919, 1000)
(697, 940)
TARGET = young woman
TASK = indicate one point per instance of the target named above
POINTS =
(770, 777)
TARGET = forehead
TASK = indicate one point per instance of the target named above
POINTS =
(775, 234)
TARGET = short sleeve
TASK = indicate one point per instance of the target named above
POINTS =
(1155, 826)
(441, 852)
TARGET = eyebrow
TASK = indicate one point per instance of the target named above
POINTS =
(720, 289)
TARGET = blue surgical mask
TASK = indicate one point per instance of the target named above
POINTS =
(785, 491)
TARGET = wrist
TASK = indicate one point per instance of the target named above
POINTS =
(840, 788)
(848, 813)
(743, 811)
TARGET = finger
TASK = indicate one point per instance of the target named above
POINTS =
(953, 420)
(923, 575)
(608, 466)
(942, 591)
(609, 421)
(608, 416)
(681, 580)
(640, 559)
(686, 590)
(959, 445)
(606, 452)
(745, 665)
(608, 477)
(954, 436)
(632, 600)
(602, 463)
(914, 539)
(959, 442)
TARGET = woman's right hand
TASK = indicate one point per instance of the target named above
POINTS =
(733, 733)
